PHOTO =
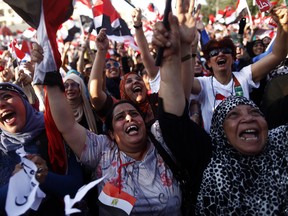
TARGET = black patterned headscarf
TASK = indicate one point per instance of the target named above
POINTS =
(217, 131)
(238, 184)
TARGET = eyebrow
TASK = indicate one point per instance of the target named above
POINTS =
(130, 110)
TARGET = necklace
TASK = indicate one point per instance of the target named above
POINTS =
(235, 88)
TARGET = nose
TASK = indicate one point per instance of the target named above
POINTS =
(247, 117)
(2, 102)
(128, 118)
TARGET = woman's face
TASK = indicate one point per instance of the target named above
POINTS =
(129, 130)
(72, 89)
(135, 88)
(220, 60)
(258, 48)
(12, 112)
(246, 129)
(112, 69)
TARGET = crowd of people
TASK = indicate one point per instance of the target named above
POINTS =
(198, 135)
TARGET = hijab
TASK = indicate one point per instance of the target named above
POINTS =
(112, 85)
(239, 184)
(33, 128)
(144, 106)
(81, 107)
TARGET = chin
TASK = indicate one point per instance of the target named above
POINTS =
(254, 151)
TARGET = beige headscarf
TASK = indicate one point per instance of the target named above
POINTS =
(82, 105)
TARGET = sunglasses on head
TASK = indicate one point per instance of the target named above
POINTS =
(215, 52)
(114, 64)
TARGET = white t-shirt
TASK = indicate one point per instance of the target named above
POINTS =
(155, 83)
(210, 87)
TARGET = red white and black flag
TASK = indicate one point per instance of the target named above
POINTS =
(47, 16)
(105, 16)
(241, 11)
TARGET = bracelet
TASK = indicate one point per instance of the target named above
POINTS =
(185, 58)
(196, 114)
(138, 26)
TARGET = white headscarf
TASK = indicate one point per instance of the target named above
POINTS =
(82, 106)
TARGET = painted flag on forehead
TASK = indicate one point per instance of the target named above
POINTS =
(46, 16)
(106, 16)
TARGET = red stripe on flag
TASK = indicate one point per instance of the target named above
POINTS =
(16, 50)
(219, 97)
(105, 7)
(112, 191)
(85, 2)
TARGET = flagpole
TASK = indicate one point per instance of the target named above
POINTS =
(168, 9)
(130, 3)
(250, 18)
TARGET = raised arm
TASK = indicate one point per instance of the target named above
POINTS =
(96, 80)
(84, 47)
(73, 133)
(171, 88)
(142, 43)
(187, 18)
(280, 49)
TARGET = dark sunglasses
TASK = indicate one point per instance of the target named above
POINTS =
(114, 64)
(215, 52)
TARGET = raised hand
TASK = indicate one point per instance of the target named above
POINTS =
(102, 41)
(167, 39)
(136, 17)
(37, 53)
(42, 169)
(280, 15)
(187, 18)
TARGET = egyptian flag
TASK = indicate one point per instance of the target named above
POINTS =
(16, 51)
(46, 16)
(116, 202)
(68, 30)
(105, 16)
(240, 12)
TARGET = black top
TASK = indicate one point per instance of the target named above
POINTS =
(189, 143)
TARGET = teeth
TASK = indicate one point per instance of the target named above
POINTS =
(138, 88)
(6, 117)
(132, 128)
(222, 61)
(250, 131)
(248, 139)
(249, 135)
(4, 114)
